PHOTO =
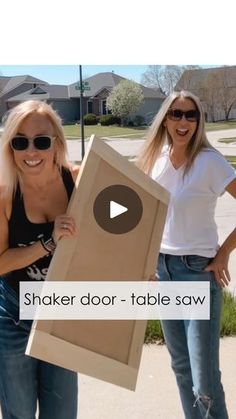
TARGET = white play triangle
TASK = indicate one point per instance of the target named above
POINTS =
(116, 209)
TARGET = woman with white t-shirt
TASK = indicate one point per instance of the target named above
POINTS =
(178, 155)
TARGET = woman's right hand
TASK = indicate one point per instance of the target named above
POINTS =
(64, 226)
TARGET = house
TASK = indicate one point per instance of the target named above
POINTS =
(56, 95)
(11, 86)
(66, 99)
(100, 85)
(216, 88)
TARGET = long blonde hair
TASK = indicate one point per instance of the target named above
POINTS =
(157, 135)
(9, 175)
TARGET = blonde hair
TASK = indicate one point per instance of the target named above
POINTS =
(9, 175)
(158, 136)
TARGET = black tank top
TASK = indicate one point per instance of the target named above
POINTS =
(23, 232)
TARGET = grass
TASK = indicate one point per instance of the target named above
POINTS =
(231, 160)
(227, 140)
(228, 316)
(228, 321)
(73, 130)
(130, 132)
(100, 131)
(217, 126)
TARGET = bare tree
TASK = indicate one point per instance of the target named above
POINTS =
(215, 87)
(227, 91)
(153, 78)
(164, 77)
(210, 94)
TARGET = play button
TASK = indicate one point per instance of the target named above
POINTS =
(117, 209)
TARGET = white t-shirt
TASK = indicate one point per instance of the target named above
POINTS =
(190, 227)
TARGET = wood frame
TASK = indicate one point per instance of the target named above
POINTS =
(111, 349)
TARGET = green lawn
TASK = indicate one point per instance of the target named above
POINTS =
(130, 132)
(100, 131)
(227, 140)
(216, 126)
(231, 160)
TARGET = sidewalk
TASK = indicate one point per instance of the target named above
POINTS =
(156, 395)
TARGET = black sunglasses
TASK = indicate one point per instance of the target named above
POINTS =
(177, 114)
(41, 142)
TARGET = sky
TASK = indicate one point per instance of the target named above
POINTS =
(67, 74)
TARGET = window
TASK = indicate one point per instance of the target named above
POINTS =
(104, 110)
(90, 106)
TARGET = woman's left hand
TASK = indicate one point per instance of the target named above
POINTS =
(219, 266)
(153, 277)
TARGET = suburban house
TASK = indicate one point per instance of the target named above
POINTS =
(12, 86)
(216, 88)
(101, 85)
(66, 99)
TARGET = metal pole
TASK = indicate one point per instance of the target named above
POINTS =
(81, 113)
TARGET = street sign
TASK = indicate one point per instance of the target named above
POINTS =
(85, 85)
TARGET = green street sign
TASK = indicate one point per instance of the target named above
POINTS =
(85, 86)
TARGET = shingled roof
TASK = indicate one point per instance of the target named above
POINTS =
(45, 92)
(9, 83)
(108, 81)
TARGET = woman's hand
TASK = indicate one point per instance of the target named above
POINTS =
(64, 226)
(153, 277)
(219, 266)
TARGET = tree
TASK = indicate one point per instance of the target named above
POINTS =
(164, 77)
(216, 88)
(125, 99)
(227, 90)
(210, 95)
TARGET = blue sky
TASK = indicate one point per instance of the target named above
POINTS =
(67, 74)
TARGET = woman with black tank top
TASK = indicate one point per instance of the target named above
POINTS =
(36, 184)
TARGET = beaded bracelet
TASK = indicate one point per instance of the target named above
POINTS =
(48, 243)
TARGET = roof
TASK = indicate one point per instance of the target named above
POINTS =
(9, 83)
(3, 83)
(194, 80)
(46, 92)
(96, 83)
(107, 80)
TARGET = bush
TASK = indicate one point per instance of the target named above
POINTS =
(154, 332)
(149, 117)
(228, 315)
(90, 119)
(228, 321)
(106, 120)
(139, 120)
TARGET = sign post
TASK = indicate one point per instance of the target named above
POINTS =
(81, 113)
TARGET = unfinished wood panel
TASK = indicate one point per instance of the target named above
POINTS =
(109, 349)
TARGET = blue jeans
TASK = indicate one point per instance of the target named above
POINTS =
(194, 344)
(26, 381)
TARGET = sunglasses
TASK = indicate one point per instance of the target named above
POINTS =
(41, 142)
(177, 114)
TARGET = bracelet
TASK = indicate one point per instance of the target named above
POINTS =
(48, 243)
